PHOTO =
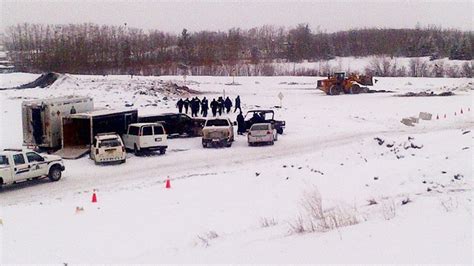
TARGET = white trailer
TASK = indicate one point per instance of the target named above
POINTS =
(42, 119)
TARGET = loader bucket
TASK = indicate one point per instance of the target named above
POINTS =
(366, 80)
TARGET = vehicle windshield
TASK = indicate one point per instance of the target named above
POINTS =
(259, 116)
(259, 127)
(217, 123)
(107, 143)
(3, 160)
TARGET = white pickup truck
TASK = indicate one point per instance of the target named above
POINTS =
(18, 165)
(145, 137)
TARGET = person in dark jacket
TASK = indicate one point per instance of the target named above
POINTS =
(237, 104)
(227, 104)
(186, 105)
(204, 107)
(220, 105)
(192, 105)
(214, 107)
(180, 104)
(198, 105)
(240, 124)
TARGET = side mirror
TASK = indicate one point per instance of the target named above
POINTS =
(41, 159)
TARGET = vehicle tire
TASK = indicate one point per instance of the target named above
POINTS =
(335, 90)
(272, 142)
(276, 137)
(229, 144)
(280, 130)
(355, 89)
(54, 173)
(123, 161)
(162, 151)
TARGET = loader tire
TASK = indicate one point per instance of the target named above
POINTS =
(355, 89)
(335, 90)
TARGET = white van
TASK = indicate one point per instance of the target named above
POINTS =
(146, 137)
(107, 148)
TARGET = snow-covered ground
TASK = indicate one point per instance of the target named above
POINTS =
(409, 199)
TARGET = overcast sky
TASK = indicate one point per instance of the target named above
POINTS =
(173, 16)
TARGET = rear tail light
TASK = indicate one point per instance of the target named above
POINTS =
(123, 149)
(269, 132)
(250, 133)
(97, 151)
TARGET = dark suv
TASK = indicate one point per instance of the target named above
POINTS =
(176, 124)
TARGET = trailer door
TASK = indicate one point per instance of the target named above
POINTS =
(37, 125)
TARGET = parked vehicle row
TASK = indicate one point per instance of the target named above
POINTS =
(73, 124)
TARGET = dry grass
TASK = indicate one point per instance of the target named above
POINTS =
(318, 219)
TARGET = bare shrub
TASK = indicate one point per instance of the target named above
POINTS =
(267, 70)
(297, 226)
(317, 219)
(449, 204)
(372, 201)
(389, 210)
(339, 217)
(267, 222)
(212, 235)
(205, 239)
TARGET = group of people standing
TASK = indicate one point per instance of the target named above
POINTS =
(217, 106)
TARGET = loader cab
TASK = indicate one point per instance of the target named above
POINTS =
(340, 76)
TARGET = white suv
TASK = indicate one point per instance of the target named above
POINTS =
(18, 165)
(108, 148)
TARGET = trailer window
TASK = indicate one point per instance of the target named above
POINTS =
(147, 131)
(18, 159)
(107, 143)
(259, 127)
(133, 131)
(3, 160)
(217, 123)
(158, 130)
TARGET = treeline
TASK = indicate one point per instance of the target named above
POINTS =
(94, 49)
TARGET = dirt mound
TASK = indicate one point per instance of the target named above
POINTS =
(168, 89)
(426, 94)
(43, 81)
(173, 88)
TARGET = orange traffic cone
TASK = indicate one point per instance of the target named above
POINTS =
(437, 117)
(94, 198)
(168, 183)
(469, 109)
(461, 111)
(444, 115)
(454, 113)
